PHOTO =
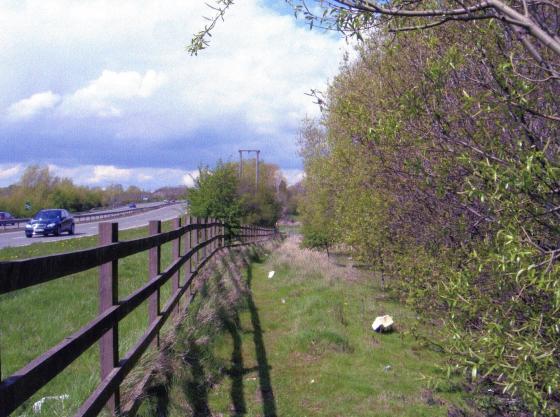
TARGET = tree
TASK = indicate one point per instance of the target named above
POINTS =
(261, 203)
(215, 195)
(42, 189)
(318, 202)
(440, 177)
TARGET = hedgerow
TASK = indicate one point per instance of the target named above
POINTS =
(436, 160)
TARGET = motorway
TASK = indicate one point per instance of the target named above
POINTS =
(89, 229)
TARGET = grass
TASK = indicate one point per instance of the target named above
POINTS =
(300, 344)
(35, 319)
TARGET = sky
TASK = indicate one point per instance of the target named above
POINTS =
(103, 91)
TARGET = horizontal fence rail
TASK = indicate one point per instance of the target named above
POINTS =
(193, 245)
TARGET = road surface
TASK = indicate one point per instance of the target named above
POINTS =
(89, 229)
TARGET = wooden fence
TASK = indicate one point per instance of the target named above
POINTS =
(193, 244)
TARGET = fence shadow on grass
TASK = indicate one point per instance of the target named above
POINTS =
(197, 385)
(267, 394)
(237, 370)
(196, 389)
(161, 395)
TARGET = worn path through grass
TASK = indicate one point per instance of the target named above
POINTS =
(300, 344)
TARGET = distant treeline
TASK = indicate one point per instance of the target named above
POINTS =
(39, 188)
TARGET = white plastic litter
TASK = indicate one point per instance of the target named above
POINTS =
(283, 301)
(382, 324)
(38, 405)
(271, 274)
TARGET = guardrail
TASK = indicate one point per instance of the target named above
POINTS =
(89, 217)
(13, 222)
(194, 244)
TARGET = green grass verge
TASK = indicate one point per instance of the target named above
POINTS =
(300, 344)
(35, 319)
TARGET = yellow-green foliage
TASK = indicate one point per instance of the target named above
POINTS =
(441, 169)
(41, 189)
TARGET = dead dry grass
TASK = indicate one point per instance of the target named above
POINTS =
(310, 262)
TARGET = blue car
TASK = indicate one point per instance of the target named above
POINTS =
(5, 218)
(51, 221)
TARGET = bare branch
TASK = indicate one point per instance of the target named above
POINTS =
(525, 8)
(369, 6)
(502, 10)
(439, 22)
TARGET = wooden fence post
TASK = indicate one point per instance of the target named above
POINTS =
(197, 236)
(188, 246)
(205, 238)
(108, 297)
(208, 236)
(219, 233)
(214, 234)
(211, 233)
(176, 254)
(154, 265)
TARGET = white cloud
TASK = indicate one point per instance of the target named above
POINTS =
(101, 97)
(293, 176)
(124, 64)
(145, 177)
(189, 178)
(109, 173)
(33, 105)
(261, 65)
(10, 172)
(103, 175)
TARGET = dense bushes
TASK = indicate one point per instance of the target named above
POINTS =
(223, 194)
(436, 160)
(41, 189)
